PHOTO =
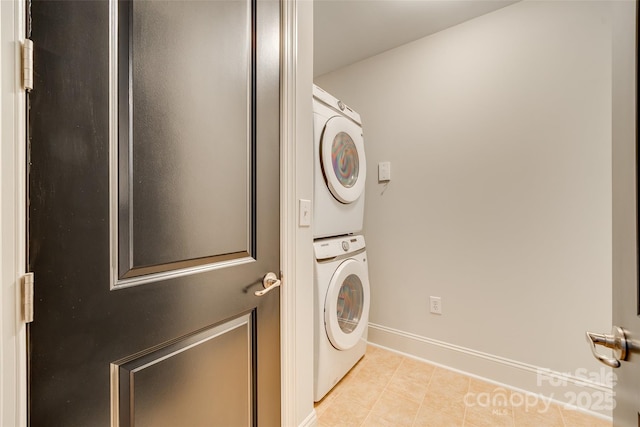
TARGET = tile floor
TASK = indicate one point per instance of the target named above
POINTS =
(388, 389)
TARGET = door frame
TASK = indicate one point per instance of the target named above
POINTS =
(13, 227)
(289, 236)
(13, 363)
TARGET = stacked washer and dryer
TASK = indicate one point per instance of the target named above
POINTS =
(341, 273)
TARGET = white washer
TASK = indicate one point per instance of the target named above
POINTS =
(340, 167)
(341, 309)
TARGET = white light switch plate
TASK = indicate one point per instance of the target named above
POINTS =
(384, 171)
(304, 213)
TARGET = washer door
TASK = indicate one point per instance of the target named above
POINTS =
(343, 161)
(346, 307)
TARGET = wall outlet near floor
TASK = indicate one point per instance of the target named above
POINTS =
(435, 305)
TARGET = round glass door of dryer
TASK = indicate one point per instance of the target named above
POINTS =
(343, 160)
(346, 310)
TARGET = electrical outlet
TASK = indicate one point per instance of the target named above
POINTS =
(435, 305)
(384, 171)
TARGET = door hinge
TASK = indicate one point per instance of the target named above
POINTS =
(27, 65)
(27, 298)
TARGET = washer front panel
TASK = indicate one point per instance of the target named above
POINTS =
(343, 159)
(347, 304)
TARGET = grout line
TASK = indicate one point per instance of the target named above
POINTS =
(464, 416)
(385, 387)
(370, 411)
(423, 397)
(513, 410)
(564, 423)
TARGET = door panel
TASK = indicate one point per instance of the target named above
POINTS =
(178, 384)
(626, 304)
(192, 118)
(155, 192)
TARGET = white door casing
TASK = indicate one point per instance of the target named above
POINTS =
(12, 216)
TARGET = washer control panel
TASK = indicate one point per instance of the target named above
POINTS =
(336, 246)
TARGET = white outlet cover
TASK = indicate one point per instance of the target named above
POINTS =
(435, 305)
(384, 171)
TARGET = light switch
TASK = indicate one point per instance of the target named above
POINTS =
(304, 213)
(384, 171)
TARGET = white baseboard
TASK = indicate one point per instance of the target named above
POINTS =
(310, 421)
(571, 391)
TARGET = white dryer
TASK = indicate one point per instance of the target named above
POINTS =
(340, 167)
(341, 309)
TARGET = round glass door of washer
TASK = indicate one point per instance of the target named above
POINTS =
(343, 160)
(346, 310)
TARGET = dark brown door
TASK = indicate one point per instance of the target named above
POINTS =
(154, 213)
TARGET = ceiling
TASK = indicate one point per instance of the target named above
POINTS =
(347, 31)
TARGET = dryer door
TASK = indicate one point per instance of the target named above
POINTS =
(343, 161)
(346, 307)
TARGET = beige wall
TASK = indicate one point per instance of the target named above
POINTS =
(498, 131)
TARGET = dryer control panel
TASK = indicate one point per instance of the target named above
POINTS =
(334, 103)
(337, 246)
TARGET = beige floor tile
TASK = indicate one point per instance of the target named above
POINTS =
(374, 420)
(394, 408)
(365, 393)
(344, 411)
(578, 419)
(333, 393)
(386, 359)
(416, 370)
(449, 381)
(408, 387)
(488, 405)
(372, 349)
(435, 417)
(478, 386)
(540, 415)
(484, 394)
(386, 389)
(321, 406)
(356, 368)
(372, 370)
(446, 401)
(481, 416)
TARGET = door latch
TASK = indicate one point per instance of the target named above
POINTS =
(269, 282)
(616, 341)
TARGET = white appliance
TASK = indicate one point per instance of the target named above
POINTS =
(341, 309)
(340, 167)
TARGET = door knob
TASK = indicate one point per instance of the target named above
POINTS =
(270, 282)
(616, 341)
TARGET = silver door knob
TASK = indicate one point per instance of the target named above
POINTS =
(616, 341)
(270, 282)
